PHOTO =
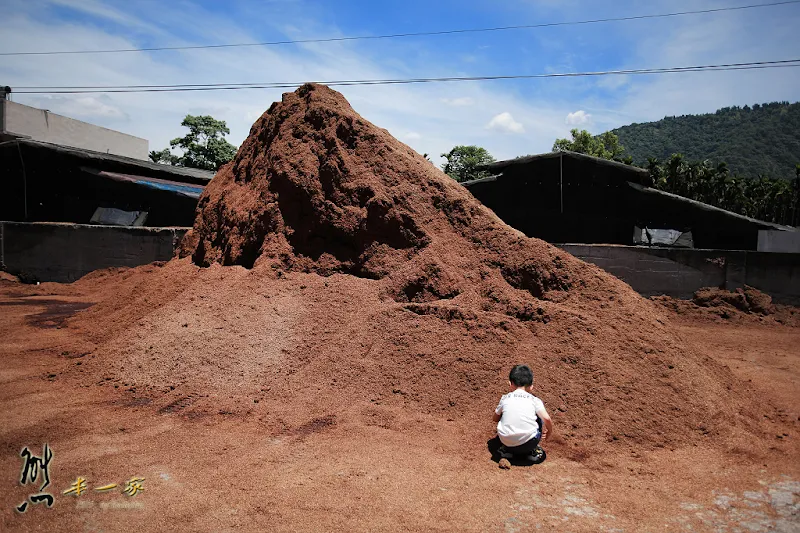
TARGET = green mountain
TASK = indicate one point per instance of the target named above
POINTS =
(763, 140)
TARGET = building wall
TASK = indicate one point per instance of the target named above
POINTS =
(779, 241)
(40, 125)
(61, 252)
(680, 272)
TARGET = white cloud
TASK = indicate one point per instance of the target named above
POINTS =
(251, 115)
(99, 10)
(505, 122)
(578, 117)
(81, 107)
(613, 83)
(402, 110)
(443, 115)
(732, 38)
(459, 102)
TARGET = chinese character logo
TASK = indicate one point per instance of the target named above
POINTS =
(77, 488)
(32, 468)
(134, 486)
(38, 468)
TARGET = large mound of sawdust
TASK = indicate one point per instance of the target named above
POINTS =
(372, 279)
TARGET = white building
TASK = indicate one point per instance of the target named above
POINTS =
(18, 121)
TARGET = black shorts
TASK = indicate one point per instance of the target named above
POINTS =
(524, 449)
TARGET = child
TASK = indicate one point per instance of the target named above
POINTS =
(520, 416)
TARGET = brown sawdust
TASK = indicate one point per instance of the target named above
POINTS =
(5, 277)
(748, 304)
(330, 264)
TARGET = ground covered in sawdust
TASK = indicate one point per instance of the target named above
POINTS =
(328, 350)
(316, 462)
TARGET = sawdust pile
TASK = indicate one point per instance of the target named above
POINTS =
(719, 305)
(748, 300)
(334, 275)
(5, 277)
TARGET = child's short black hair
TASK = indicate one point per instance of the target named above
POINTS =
(521, 376)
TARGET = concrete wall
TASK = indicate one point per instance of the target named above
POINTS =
(19, 120)
(779, 241)
(64, 252)
(680, 272)
(776, 274)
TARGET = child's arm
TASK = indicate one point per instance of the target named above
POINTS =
(498, 412)
(547, 421)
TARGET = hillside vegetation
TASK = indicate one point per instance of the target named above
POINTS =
(763, 140)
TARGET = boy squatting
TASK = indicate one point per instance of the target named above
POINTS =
(520, 416)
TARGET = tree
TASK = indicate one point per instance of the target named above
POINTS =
(796, 200)
(764, 198)
(203, 147)
(760, 141)
(605, 145)
(462, 162)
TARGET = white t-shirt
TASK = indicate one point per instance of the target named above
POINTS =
(519, 422)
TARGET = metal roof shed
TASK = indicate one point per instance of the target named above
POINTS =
(565, 197)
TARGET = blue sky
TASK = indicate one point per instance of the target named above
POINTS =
(509, 118)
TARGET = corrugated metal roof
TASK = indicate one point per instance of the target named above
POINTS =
(626, 175)
(669, 197)
(119, 162)
(500, 165)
